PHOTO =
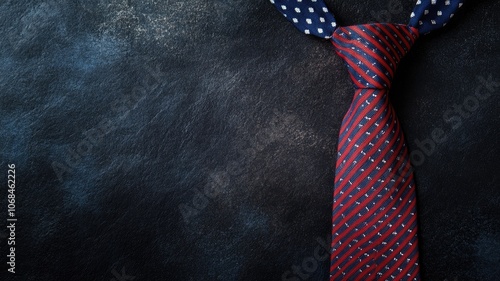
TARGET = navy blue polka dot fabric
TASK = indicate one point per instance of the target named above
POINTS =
(313, 17)
(310, 17)
(429, 15)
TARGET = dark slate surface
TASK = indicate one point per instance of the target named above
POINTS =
(195, 140)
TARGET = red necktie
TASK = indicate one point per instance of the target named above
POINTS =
(374, 220)
(374, 232)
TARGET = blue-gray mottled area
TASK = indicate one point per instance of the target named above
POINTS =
(195, 140)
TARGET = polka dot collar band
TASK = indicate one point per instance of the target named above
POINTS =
(313, 17)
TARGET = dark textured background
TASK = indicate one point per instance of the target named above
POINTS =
(226, 98)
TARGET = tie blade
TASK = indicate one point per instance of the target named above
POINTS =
(374, 226)
(309, 16)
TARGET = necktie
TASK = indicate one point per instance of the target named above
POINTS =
(374, 222)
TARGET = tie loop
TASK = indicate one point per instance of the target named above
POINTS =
(373, 51)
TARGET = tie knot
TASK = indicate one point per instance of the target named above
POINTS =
(372, 51)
